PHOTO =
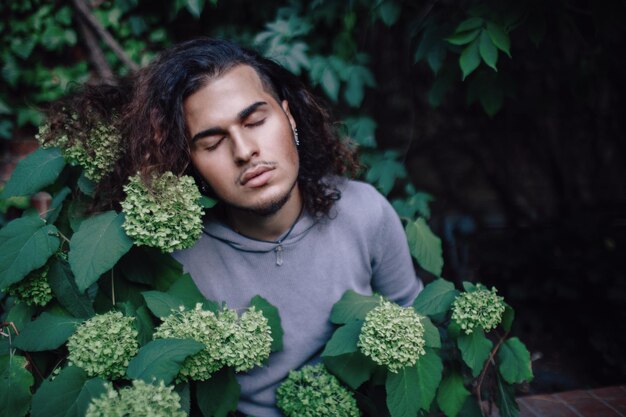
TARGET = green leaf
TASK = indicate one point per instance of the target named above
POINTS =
(507, 317)
(429, 368)
(353, 306)
(505, 399)
(273, 317)
(452, 394)
(195, 7)
(488, 51)
(470, 24)
(330, 83)
(435, 299)
(425, 246)
(185, 290)
(66, 291)
(34, 172)
(401, 390)
(219, 395)
(56, 204)
(85, 185)
(15, 381)
(384, 169)
(362, 130)
(499, 37)
(47, 332)
(25, 245)
(469, 286)
(97, 246)
(161, 304)
(351, 368)
(475, 349)
(344, 339)
(431, 333)
(514, 359)
(93, 388)
(143, 324)
(207, 202)
(470, 58)
(55, 397)
(463, 38)
(389, 12)
(161, 359)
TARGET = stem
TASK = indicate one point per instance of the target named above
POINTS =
(112, 287)
(484, 371)
(26, 354)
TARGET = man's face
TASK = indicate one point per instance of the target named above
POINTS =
(242, 141)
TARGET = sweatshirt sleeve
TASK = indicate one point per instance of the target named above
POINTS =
(393, 274)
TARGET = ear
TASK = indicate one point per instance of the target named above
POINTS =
(285, 106)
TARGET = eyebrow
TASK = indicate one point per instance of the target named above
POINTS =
(241, 116)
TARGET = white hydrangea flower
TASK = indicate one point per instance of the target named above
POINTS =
(34, 289)
(104, 345)
(392, 336)
(139, 400)
(478, 309)
(314, 392)
(167, 216)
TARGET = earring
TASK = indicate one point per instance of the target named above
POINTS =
(204, 188)
(295, 136)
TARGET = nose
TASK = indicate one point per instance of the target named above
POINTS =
(245, 147)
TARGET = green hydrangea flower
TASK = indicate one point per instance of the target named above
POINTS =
(104, 345)
(314, 392)
(392, 336)
(247, 340)
(140, 400)
(96, 147)
(481, 308)
(241, 343)
(167, 216)
(34, 289)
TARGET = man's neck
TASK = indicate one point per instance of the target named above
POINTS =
(266, 227)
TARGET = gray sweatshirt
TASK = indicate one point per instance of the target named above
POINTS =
(360, 246)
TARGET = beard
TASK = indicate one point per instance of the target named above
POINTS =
(265, 209)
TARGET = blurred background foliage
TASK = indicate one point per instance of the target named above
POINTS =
(505, 119)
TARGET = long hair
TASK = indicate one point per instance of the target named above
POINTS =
(156, 140)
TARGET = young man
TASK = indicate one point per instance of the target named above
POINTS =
(288, 227)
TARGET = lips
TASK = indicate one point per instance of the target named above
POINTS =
(255, 175)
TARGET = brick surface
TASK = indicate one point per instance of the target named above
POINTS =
(547, 406)
(603, 402)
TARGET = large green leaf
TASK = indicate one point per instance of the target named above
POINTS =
(505, 399)
(429, 368)
(97, 246)
(15, 381)
(57, 204)
(344, 339)
(514, 359)
(435, 299)
(425, 246)
(47, 332)
(66, 291)
(463, 37)
(401, 388)
(488, 51)
(273, 317)
(34, 172)
(353, 306)
(475, 349)
(452, 394)
(162, 304)
(507, 317)
(431, 333)
(219, 395)
(161, 359)
(55, 397)
(499, 37)
(470, 58)
(25, 245)
(93, 388)
(351, 368)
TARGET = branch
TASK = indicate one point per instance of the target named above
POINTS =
(484, 371)
(85, 12)
(96, 56)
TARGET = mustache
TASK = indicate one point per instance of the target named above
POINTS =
(269, 164)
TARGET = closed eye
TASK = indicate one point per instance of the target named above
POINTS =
(215, 145)
(255, 124)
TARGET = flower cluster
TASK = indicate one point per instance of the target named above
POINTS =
(167, 215)
(314, 392)
(104, 345)
(34, 289)
(481, 308)
(95, 147)
(241, 343)
(142, 399)
(392, 336)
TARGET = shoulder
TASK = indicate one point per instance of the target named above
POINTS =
(362, 198)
